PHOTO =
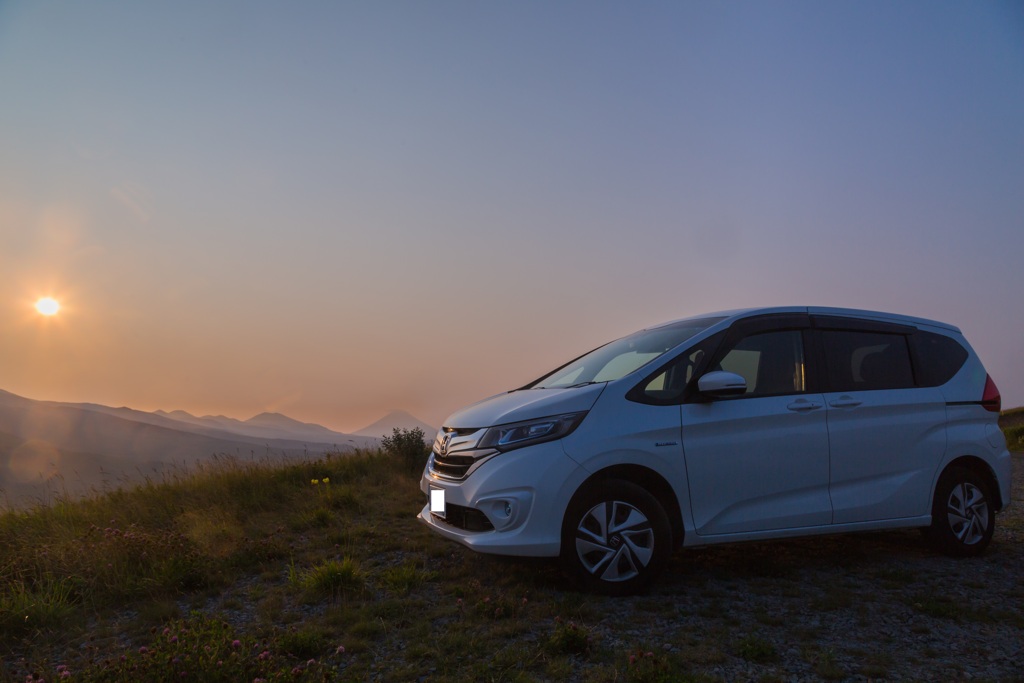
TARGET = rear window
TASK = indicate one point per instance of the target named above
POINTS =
(864, 361)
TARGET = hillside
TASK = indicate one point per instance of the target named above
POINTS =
(48, 447)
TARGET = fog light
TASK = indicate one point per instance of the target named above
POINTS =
(508, 509)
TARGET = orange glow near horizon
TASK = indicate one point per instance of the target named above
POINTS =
(47, 306)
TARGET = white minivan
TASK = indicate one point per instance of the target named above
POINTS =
(732, 426)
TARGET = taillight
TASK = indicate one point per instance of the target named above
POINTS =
(991, 399)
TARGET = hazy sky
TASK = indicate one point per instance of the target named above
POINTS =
(332, 209)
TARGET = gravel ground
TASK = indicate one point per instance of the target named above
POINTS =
(855, 607)
(852, 607)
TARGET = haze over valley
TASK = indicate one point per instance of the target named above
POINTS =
(51, 448)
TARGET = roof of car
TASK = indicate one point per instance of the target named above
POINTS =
(821, 310)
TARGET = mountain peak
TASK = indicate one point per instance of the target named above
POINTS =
(273, 420)
(397, 419)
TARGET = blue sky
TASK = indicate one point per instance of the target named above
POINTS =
(336, 208)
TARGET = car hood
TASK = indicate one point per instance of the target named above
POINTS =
(525, 404)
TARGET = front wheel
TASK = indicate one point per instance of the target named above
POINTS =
(616, 537)
(963, 519)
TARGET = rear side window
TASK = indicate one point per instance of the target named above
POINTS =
(864, 361)
(936, 358)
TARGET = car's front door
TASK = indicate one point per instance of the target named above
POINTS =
(759, 461)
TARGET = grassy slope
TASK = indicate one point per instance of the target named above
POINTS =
(1012, 423)
(242, 571)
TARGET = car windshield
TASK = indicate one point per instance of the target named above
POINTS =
(622, 356)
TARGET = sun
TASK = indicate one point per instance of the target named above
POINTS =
(48, 306)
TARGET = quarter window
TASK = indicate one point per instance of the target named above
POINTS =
(863, 361)
(936, 358)
(669, 384)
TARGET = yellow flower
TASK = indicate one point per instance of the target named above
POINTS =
(314, 482)
(326, 480)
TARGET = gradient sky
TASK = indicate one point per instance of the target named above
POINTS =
(333, 209)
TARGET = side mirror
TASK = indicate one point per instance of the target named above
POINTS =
(720, 384)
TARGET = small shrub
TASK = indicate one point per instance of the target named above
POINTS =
(334, 579)
(408, 447)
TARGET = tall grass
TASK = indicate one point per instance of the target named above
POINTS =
(63, 561)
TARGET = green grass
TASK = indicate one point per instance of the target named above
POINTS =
(333, 579)
(240, 571)
(1012, 423)
(1014, 437)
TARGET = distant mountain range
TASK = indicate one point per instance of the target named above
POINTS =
(49, 448)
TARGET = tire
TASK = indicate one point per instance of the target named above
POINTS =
(616, 538)
(963, 518)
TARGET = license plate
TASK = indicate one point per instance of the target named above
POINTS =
(437, 501)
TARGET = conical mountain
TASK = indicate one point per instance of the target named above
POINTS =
(397, 419)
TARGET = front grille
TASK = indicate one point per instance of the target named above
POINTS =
(468, 519)
(452, 466)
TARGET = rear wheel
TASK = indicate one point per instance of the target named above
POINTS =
(963, 519)
(616, 537)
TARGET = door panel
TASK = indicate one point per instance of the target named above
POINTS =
(756, 464)
(885, 448)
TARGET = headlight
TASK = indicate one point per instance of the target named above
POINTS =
(529, 432)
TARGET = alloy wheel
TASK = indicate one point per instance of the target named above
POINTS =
(967, 511)
(614, 541)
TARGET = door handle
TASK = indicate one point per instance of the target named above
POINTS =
(845, 402)
(802, 404)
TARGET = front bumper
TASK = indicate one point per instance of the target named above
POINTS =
(521, 495)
